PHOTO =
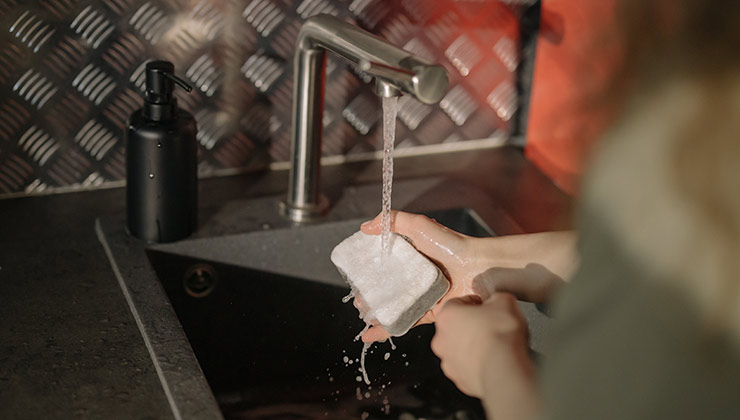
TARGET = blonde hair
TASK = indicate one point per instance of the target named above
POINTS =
(667, 179)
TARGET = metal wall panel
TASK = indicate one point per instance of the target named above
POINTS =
(72, 71)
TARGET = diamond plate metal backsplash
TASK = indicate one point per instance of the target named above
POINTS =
(71, 72)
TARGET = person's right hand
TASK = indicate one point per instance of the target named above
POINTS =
(483, 349)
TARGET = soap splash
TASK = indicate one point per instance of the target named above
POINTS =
(348, 297)
(390, 110)
(365, 347)
(364, 330)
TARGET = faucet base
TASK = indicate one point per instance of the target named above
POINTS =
(301, 214)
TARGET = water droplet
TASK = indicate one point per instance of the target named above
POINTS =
(348, 297)
(151, 175)
(365, 347)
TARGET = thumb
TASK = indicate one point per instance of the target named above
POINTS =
(375, 333)
(426, 235)
(467, 300)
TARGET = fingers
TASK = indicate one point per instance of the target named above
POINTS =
(499, 279)
(376, 333)
(451, 373)
(478, 342)
(456, 343)
(502, 300)
(533, 283)
(464, 301)
(507, 319)
(429, 237)
(451, 316)
(372, 227)
(499, 314)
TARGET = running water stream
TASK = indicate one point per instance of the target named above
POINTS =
(390, 110)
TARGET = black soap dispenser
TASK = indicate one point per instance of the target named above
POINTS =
(161, 162)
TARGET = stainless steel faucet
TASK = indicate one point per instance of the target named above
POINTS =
(395, 70)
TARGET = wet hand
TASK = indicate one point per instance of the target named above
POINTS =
(483, 349)
(529, 266)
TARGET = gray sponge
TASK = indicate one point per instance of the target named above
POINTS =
(395, 290)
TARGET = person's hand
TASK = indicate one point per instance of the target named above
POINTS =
(533, 283)
(530, 266)
(483, 350)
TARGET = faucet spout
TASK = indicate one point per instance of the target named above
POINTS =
(395, 71)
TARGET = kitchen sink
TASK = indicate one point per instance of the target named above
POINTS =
(275, 340)
(245, 319)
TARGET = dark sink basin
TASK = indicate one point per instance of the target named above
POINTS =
(263, 313)
(245, 320)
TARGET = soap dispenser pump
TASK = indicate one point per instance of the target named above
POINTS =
(161, 161)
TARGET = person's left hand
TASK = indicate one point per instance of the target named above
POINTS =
(529, 266)
(483, 349)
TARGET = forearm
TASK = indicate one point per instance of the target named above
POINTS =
(555, 251)
(532, 266)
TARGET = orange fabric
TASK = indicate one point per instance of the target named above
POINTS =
(578, 53)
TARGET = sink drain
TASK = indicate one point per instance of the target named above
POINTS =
(199, 280)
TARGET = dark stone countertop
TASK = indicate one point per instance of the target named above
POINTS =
(69, 346)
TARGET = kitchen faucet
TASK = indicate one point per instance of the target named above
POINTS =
(395, 71)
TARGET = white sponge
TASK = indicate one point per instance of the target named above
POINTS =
(396, 290)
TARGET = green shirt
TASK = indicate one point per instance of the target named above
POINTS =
(625, 347)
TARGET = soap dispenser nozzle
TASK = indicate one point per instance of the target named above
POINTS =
(183, 84)
(160, 84)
